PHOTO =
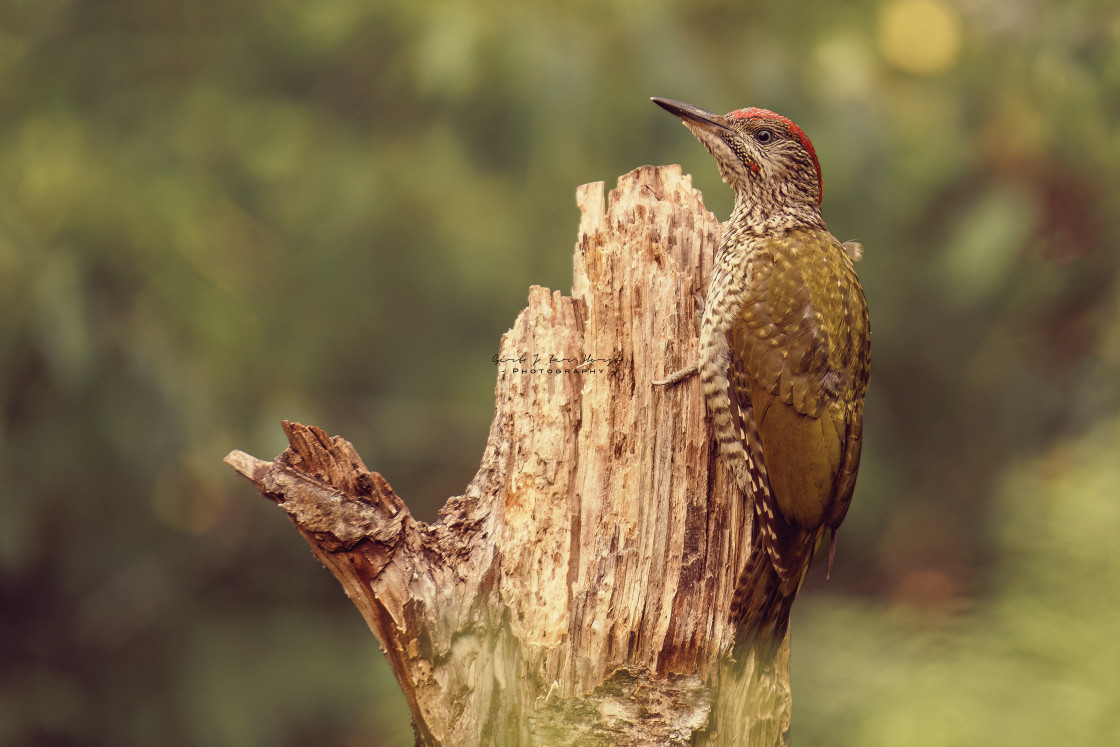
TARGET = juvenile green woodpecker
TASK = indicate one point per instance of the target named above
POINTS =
(785, 347)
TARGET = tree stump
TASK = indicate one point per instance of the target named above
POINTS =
(578, 592)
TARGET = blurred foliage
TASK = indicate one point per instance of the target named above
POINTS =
(1035, 661)
(218, 215)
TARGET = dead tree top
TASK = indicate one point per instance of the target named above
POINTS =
(577, 592)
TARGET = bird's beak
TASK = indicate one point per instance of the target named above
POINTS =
(715, 133)
(693, 115)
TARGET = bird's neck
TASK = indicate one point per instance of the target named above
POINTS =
(753, 216)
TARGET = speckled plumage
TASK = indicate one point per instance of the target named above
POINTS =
(784, 349)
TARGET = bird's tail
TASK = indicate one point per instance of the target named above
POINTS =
(763, 598)
(760, 608)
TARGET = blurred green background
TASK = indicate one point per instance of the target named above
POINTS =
(219, 215)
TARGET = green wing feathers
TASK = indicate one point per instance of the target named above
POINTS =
(803, 340)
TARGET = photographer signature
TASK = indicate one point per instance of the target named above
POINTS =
(538, 363)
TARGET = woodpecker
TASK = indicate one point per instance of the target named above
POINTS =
(785, 347)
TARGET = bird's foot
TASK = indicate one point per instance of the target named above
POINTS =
(676, 376)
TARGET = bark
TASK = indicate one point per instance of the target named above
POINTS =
(578, 592)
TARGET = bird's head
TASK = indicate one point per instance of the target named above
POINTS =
(767, 159)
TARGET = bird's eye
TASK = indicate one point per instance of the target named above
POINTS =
(764, 135)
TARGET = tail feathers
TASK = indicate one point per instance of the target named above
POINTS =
(831, 553)
(761, 605)
(764, 596)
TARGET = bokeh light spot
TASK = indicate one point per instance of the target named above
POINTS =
(919, 36)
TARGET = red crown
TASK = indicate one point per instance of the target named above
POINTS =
(754, 112)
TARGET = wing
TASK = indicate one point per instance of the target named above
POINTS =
(803, 341)
(789, 546)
